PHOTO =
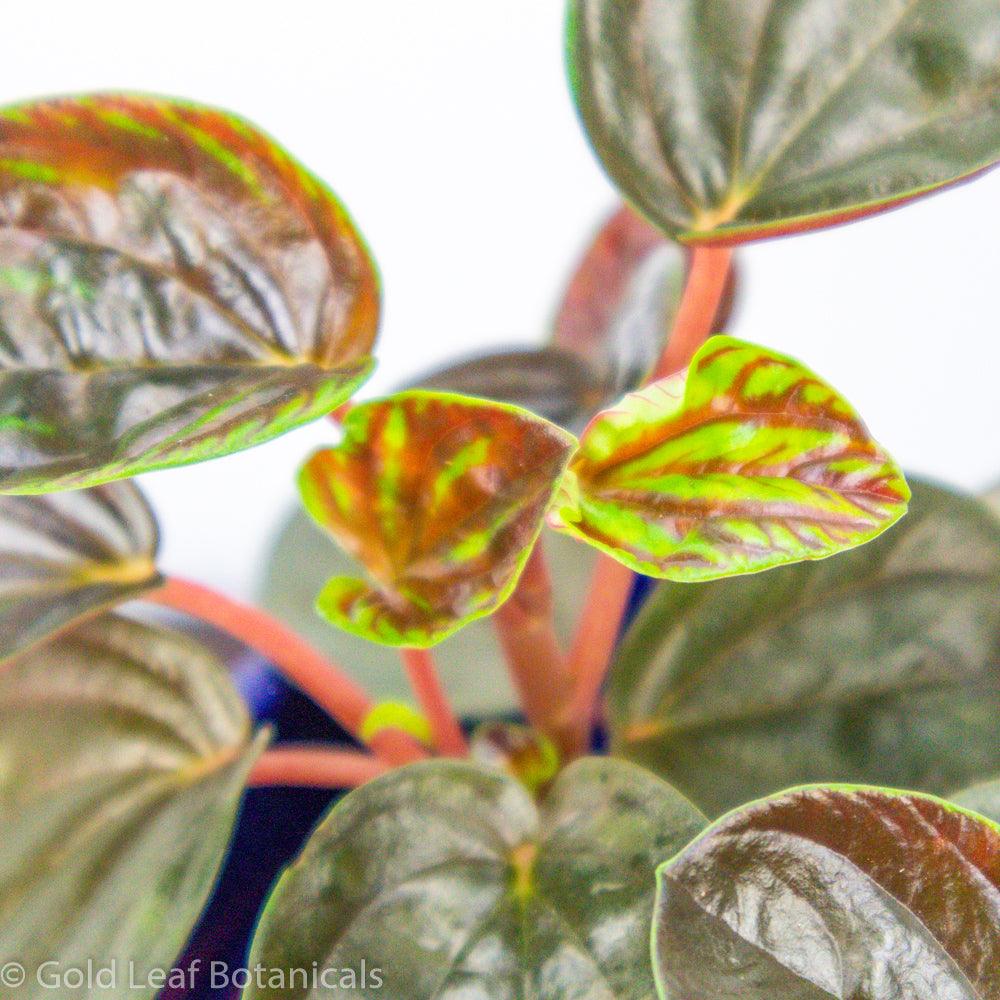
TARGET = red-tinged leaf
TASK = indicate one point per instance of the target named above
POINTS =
(837, 891)
(745, 462)
(173, 287)
(732, 120)
(617, 309)
(441, 499)
(69, 555)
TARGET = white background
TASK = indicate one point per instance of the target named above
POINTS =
(447, 128)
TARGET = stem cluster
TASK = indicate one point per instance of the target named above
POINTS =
(559, 691)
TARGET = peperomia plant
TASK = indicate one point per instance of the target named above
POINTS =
(174, 287)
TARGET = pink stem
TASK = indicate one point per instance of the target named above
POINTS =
(526, 629)
(314, 767)
(426, 684)
(325, 683)
(607, 600)
(594, 642)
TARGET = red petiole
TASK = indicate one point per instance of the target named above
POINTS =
(328, 685)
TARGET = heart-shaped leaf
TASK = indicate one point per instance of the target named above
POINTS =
(877, 666)
(68, 555)
(746, 461)
(983, 798)
(303, 557)
(173, 287)
(833, 892)
(448, 880)
(555, 384)
(729, 120)
(441, 498)
(123, 754)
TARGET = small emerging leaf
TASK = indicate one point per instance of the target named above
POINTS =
(730, 120)
(173, 287)
(745, 462)
(451, 881)
(396, 715)
(523, 753)
(841, 891)
(68, 555)
(441, 499)
(878, 666)
(123, 755)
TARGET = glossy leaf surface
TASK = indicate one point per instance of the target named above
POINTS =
(555, 384)
(745, 462)
(729, 120)
(440, 498)
(449, 878)
(173, 287)
(833, 892)
(123, 752)
(67, 555)
(983, 798)
(877, 666)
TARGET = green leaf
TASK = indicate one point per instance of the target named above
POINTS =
(833, 892)
(983, 798)
(746, 461)
(451, 881)
(441, 498)
(173, 287)
(303, 557)
(69, 555)
(878, 666)
(555, 384)
(123, 754)
(730, 120)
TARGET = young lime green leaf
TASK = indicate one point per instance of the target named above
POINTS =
(732, 120)
(744, 462)
(68, 555)
(396, 715)
(447, 879)
(441, 498)
(303, 557)
(878, 666)
(123, 755)
(173, 287)
(837, 891)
